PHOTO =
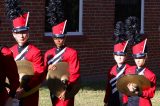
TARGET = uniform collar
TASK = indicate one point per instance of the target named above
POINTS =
(20, 48)
(120, 68)
(139, 69)
(60, 48)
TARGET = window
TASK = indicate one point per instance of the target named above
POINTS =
(73, 12)
(126, 8)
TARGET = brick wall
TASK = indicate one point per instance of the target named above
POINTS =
(95, 46)
(152, 29)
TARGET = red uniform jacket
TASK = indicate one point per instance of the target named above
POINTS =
(69, 56)
(144, 99)
(33, 55)
(108, 95)
(8, 69)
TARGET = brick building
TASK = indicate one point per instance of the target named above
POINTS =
(96, 26)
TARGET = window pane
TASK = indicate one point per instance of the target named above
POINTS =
(71, 14)
(126, 8)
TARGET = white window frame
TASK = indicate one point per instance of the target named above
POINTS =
(142, 17)
(80, 32)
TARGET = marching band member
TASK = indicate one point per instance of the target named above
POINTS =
(139, 51)
(61, 53)
(112, 96)
(24, 50)
(9, 70)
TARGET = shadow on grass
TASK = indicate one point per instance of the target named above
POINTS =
(99, 85)
(89, 85)
(94, 85)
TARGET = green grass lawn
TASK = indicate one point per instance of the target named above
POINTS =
(89, 95)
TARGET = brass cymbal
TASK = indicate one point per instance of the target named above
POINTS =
(25, 67)
(61, 69)
(141, 82)
(26, 72)
(55, 77)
